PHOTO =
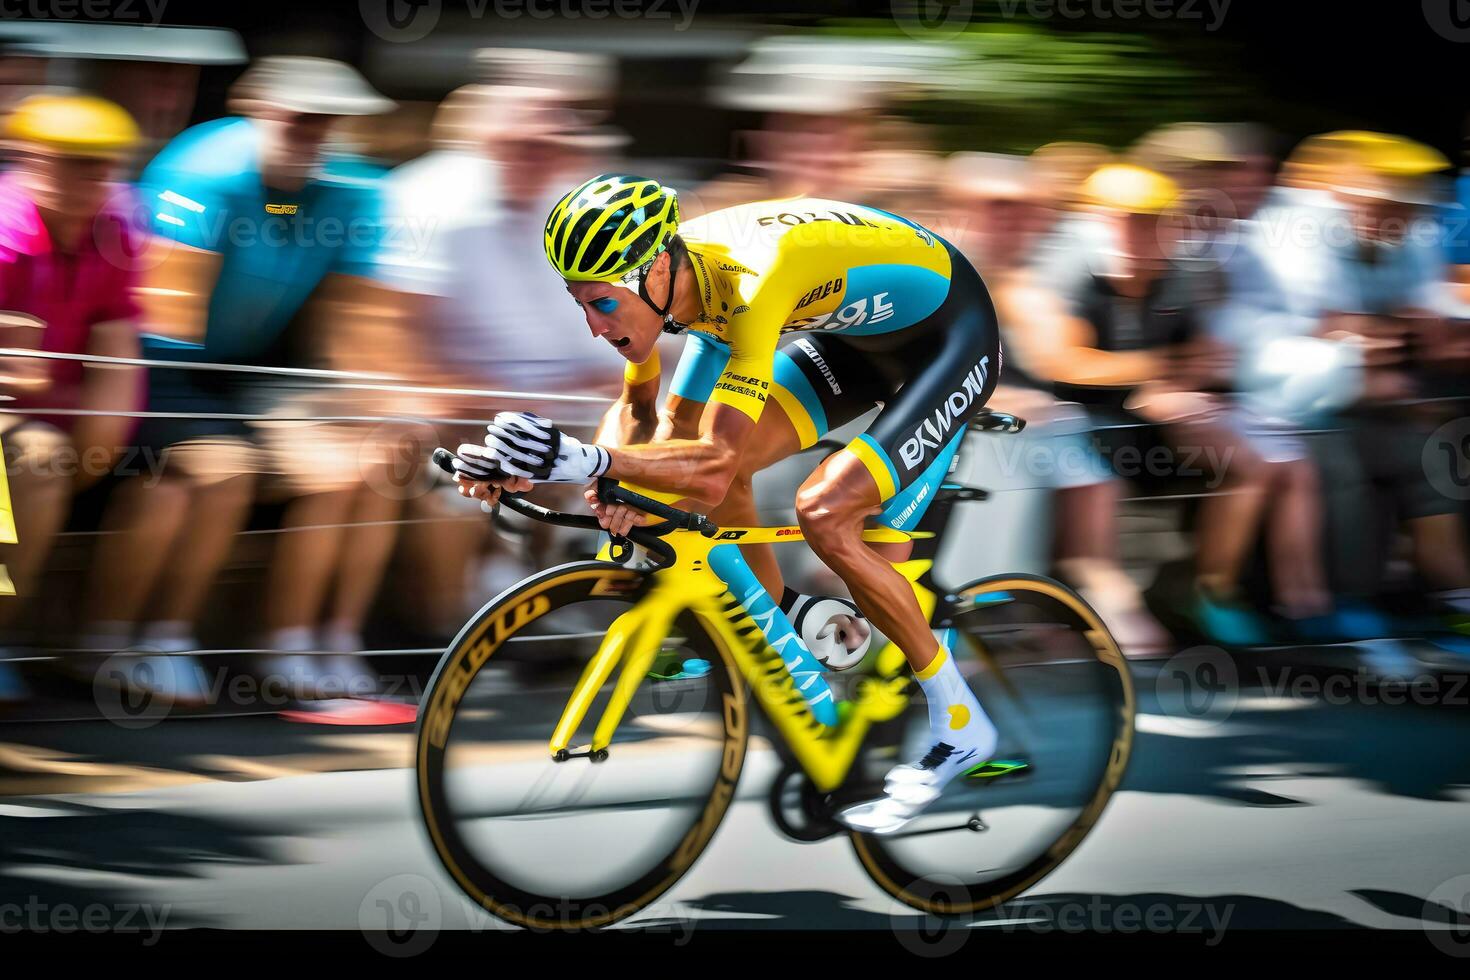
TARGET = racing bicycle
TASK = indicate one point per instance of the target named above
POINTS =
(585, 734)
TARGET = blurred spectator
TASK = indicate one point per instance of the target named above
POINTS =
(1060, 170)
(585, 82)
(1005, 206)
(478, 204)
(1356, 252)
(813, 135)
(901, 172)
(22, 72)
(63, 230)
(1115, 324)
(255, 229)
(1225, 172)
(488, 312)
(1457, 237)
(1002, 210)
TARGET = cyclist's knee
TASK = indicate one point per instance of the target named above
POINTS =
(830, 518)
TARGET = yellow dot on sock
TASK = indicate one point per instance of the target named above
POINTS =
(959, 716)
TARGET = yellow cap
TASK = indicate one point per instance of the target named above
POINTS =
(1130, 188)
(1399, 156)
(1324, 159)
(74, 125)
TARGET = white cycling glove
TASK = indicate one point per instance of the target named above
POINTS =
(525, 444)
(475, 462)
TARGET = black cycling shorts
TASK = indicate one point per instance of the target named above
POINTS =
(930, 380)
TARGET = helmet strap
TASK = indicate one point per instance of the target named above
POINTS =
(670, 325)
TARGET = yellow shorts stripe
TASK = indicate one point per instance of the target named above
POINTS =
(866, 450)
(801, 420)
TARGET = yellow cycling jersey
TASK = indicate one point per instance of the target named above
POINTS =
(802, 264)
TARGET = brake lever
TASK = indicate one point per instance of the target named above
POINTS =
(610, 491)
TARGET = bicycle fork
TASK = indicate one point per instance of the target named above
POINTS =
(633, 640)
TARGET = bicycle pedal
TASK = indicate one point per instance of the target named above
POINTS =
(997, 768)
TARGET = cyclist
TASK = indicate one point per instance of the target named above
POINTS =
(894, 315)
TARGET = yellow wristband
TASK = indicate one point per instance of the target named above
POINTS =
(637, 374)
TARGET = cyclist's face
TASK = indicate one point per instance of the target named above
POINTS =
(618, 316)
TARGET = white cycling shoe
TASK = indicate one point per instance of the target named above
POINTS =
(961, 738)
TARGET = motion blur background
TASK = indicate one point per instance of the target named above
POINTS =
(1228, 244)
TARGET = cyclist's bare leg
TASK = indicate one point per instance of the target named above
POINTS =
(832, 506)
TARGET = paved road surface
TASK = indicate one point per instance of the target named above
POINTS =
(1281, 806)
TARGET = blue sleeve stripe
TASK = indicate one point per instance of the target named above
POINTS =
(699, 368)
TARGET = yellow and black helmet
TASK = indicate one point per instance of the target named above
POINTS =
(610, 225)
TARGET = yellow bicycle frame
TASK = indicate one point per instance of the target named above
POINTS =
(634, 639)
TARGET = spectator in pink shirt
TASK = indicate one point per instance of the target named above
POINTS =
(67, 269)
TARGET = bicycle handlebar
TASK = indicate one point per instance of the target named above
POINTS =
(609, 491)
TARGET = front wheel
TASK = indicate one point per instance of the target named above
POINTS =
(578, 839)
(1046, 670)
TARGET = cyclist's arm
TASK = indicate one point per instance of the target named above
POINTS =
(633, 418)
(703, 466)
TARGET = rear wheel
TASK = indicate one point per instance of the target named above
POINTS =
(1045, 669)
(579, 840)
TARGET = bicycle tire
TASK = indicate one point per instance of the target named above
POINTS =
(486, 632)
(884, 865)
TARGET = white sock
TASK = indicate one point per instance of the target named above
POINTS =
(291, 639)
(340, 637)
(955, 716)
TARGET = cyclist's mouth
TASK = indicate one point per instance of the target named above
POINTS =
(621, 343)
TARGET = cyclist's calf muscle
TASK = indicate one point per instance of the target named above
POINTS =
(832, 506)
